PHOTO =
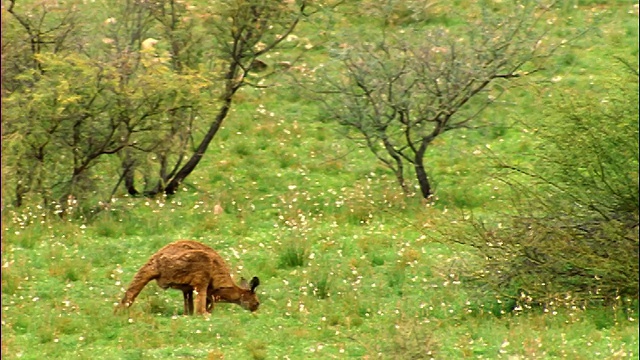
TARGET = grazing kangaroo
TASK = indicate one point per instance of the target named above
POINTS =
(187, 266)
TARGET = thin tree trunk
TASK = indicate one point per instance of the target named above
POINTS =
(400, 177)
(172, 186)
(128, 168)
(399, 168)
(421, 173)
(423, 180)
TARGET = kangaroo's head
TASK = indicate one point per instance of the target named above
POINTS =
(248, 298)
(243, 295)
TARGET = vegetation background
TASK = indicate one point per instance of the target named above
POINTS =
(527, 247)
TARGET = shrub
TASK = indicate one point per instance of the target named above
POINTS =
(572, 231)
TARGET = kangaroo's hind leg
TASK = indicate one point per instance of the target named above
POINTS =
(201, 300)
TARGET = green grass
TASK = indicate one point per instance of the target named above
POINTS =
(358, 290)
(349, 268)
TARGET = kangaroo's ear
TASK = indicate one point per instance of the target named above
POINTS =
(243, 283)
(254, 283)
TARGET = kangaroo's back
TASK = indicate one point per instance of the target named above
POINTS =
(184, 245)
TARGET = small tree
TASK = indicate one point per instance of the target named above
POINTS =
(32, 119)
(398, 89)
(238, 33)
(69, 108)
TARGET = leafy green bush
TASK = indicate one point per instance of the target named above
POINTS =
(571, 235)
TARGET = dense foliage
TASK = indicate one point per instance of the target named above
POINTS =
(82, 99)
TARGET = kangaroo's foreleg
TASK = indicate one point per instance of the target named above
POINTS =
(146, 273)
(188, 301)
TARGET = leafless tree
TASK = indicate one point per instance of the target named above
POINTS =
(399, 89)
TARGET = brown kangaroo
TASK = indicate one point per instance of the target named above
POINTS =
(187, 266)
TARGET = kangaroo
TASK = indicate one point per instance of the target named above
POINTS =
(190, 266)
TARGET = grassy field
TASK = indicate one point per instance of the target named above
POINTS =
(349, 267)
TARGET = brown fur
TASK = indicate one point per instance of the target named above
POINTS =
(187, 266)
